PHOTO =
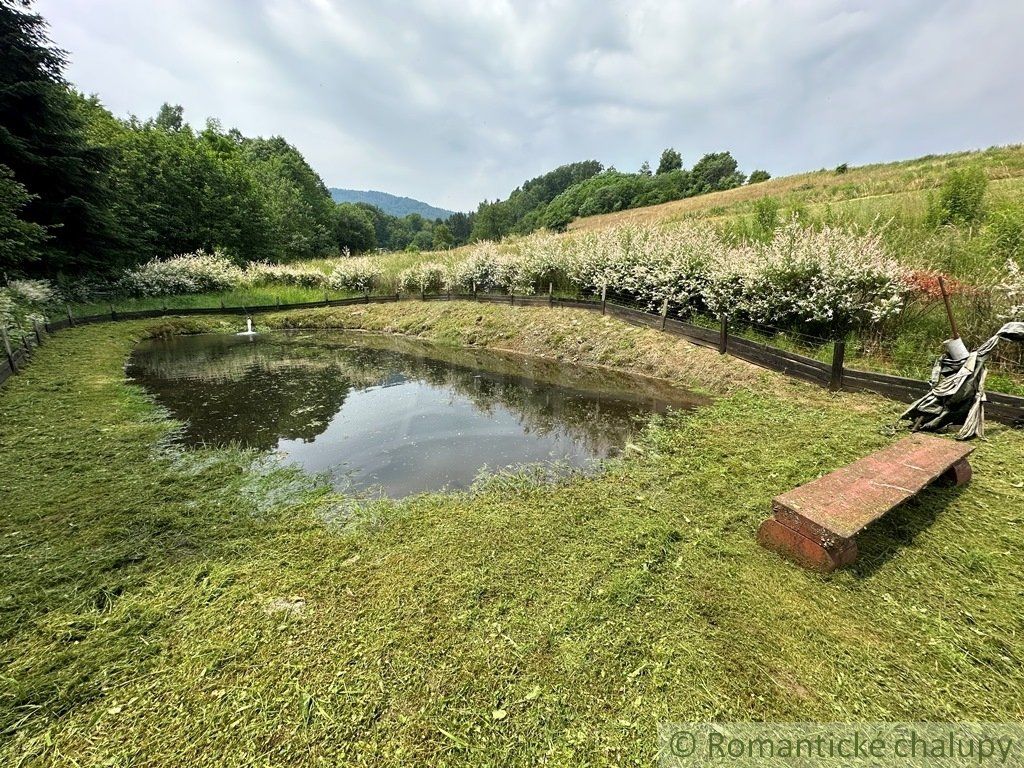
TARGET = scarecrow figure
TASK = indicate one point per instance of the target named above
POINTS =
(957, 394)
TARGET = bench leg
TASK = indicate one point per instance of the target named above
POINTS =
(805, 551)
(959, 474)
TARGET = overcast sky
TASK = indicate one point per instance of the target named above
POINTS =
(453, 102)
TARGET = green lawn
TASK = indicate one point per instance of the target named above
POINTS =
(513, 626)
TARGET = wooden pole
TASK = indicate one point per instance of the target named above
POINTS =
(71, 319)
(113, 314)
(664, 313)
(39, 336)
(551, 294)
(723, 335)
(604, 297)
(949, 309)
(7, 349)
(835, 382)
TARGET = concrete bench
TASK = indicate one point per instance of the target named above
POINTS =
(816, 524)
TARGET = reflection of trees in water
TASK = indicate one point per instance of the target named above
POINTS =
(257, 391)
(239, 392)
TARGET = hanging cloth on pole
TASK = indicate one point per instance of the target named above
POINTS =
(957, 394)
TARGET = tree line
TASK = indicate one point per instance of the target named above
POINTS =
(85, 192)
(588, 188)
(82, 191)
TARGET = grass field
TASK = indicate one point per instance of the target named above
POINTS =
(886, 189)
(142, 620)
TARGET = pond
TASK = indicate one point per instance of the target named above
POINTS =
(391, 415)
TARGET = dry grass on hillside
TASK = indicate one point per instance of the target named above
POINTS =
(884, 180)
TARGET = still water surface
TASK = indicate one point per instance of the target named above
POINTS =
(390, 415)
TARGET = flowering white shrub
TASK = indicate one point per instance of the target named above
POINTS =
(196, 272)
(6, 309)
(645, 263)
(263, 273)
(483, 268)
(23, 300)
(829, 277)
(32, 291)
(357, 274)
(427, 277)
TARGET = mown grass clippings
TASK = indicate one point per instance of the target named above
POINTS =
(517, 625)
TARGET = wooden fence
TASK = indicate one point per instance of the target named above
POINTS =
(1008, 409)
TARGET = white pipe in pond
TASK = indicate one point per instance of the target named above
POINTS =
(248, 328)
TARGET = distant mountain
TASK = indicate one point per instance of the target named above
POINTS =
(391, 204)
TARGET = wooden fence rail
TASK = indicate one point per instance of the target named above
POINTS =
(1008, 409)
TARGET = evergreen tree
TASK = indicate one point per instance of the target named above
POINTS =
(43, 144)
(17, 236)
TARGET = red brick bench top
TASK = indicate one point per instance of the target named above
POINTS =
(847, 500)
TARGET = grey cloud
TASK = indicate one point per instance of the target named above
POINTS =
(454, 102)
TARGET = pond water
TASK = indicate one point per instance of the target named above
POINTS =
(389, 415)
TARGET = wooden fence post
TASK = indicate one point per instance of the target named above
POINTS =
(551, 294)
(25, 344)
(71, 319)
(113, 314)
(604, 297)
(512, 299)
(664, 313)
(723, 335)
(835, 382)
(39, 336)
(7, 349)
(474, 290)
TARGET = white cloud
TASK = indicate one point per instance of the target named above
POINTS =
(454, 102)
